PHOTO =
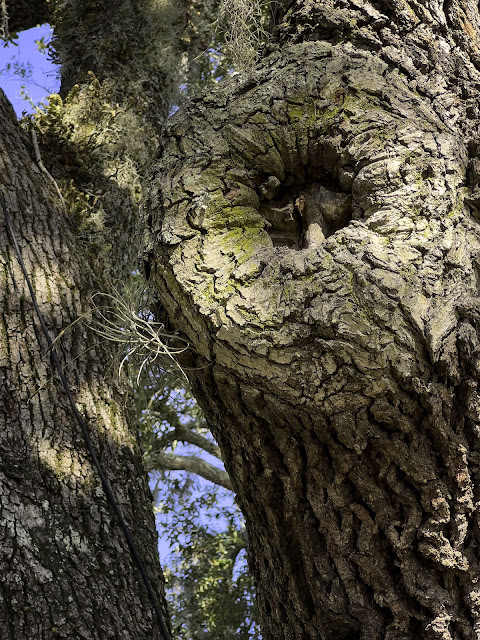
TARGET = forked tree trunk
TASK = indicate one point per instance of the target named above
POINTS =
(313, 232)
(65, 567)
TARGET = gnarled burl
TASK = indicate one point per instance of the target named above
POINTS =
(313, 233)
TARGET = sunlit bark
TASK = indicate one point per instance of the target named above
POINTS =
(66, 571)
(313, 233)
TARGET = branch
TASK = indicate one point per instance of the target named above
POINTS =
(38, 158)
(25, 14)
(185, 432)
(187, 435)
(192, 464)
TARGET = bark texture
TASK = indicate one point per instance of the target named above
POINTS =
(66, 571)
(24, 14)
(314, 233)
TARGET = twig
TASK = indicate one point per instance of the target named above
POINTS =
(41, 166)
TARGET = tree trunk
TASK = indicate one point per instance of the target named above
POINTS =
(65, 567)
(314, 234)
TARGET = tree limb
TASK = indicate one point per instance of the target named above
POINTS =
(187, 435)
(185, 432)
(192, 464)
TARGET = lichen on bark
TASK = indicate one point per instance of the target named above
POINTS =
(336, 374)
(65, 565)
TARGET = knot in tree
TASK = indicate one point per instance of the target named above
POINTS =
(312, 233)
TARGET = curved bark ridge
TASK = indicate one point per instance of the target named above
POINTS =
(298, 187)
(310, 237)
(435, 44)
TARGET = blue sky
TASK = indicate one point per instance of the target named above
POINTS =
(41, 77)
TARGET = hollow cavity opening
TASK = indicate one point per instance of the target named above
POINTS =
(301, 214)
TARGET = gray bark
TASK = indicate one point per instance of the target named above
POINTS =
(66, 571)
(65, 568)
(183, 432)
(313, 231)
(191, 464)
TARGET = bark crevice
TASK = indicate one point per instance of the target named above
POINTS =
(339, 366)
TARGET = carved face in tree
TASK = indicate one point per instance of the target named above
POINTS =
(313, 235)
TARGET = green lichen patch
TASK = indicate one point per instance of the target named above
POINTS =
(237, 217)
(242, 242)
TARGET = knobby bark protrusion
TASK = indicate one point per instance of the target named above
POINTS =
(337, 363)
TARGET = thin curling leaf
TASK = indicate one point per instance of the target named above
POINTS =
(120, 319)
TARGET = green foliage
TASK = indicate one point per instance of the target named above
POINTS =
(43, 45)
(22, 69)
(97, 151)
(120, 67)
(8, 39)
(225, 37)
(210, 591)
(68, 150)
(163, 403)
(135, 45)
(18, 68)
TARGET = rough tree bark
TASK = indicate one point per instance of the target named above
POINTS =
(66, 571)
(313, 231)
(65, 568)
